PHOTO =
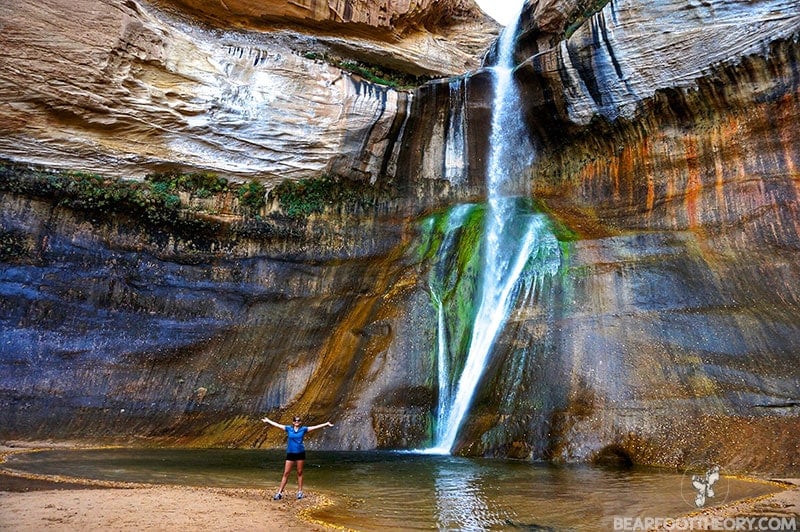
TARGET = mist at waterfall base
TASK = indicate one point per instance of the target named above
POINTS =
(402, 491)
(516, 250)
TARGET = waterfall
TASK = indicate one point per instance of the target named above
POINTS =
(444, 278)
(442, 357)
(515, 242)
(454, 147)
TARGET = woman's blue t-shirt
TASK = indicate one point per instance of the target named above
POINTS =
(295, 443)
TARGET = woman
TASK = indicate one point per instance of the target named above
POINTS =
(295, 451)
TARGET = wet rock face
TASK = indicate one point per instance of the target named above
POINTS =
(658, 347)
(111, 330)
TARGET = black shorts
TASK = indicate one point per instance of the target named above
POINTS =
(294, 457)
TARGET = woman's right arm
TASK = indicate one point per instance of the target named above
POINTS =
(276, 425)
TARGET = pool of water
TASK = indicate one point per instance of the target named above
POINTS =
(384, 490)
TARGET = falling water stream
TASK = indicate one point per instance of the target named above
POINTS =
(455, 147)
(514, 241)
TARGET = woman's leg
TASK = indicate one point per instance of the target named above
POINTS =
(300, 475)
(287, 468)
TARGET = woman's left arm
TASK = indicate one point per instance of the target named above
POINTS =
(321, 425)
(276, 425)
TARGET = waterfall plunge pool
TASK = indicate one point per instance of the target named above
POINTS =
(406, 491)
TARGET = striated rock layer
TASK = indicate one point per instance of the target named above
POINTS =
(123, 88)
(421, 37)
(114, 329)
(666, 154)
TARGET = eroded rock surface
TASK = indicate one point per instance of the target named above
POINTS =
(123, 88)
(421, 37)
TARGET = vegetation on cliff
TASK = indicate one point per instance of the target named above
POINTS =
(155, 202)
(584, 10)
(191, 206)
(451, 241)
(314, 195)
(380, 75)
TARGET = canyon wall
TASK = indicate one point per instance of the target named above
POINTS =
(666, 157)
(666, 142)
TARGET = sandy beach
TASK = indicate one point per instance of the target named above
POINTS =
(156, 508)
(32, 503)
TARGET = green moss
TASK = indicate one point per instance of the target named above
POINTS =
(152, 202)
(432, 233)
(374, 73)
(462, 300)
(201, 184)
(314, 195)
(563, 233)
(428, 243)
(451, 241)
(471, 238)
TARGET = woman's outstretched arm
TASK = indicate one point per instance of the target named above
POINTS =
(276, 425)
(321, 425)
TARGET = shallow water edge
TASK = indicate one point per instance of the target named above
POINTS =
(376, 490)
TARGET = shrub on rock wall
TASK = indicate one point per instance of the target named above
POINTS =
(154, 201)
(308, 196)
(252, 198)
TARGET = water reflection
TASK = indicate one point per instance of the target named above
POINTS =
(459, 501)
